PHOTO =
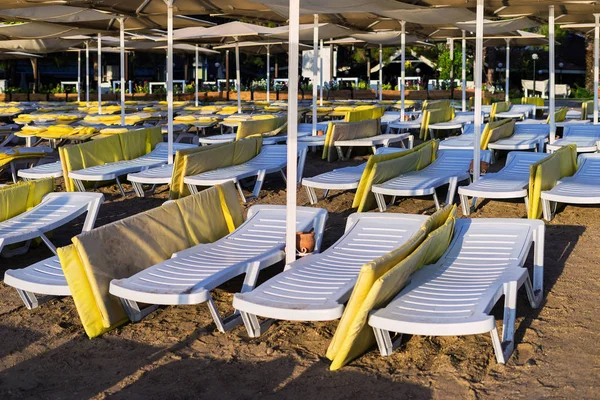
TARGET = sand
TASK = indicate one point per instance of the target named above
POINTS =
(176, 352)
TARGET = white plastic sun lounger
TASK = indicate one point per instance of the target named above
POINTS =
(45, 277)
(450, 167)
(304, 130)
(49, 170)
(586, 137)
(271, 159)
(402, 126)
(455, 295)
(384, 140)
(152, 176)
(581, 188)
(518, 111)
(315, 288)
(190, 275)
(458, 122)
(112, 171)
(346, 178)
(526, 137)
(511, 182)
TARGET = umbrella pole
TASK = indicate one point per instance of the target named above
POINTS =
(321, 74)
(478, 78)
(596, 55)
(552, 91)
(99, 74)
(402, 67)
(380, 72)
(78, 76)
(122, 67)
(196, 76)
(237, 76)
(170, 80)
(87, 74)
(315, 71)
(464, 71)
(292, 142)
(268, 73)
(507, 83)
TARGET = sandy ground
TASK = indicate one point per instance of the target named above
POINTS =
(176, 352)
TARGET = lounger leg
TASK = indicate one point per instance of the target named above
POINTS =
(411, 141)
(31, 301)
(312, 195)
(79, 185)
(547, 210)
(538, 266)
(132, 309)
(435, 199)
(193, 189)
(527, 205)
(452, 184)
(260, 179)
(381, 204)
(48, 243)
(464, 202)
(348, 153)
(223, 324)
(385, 343)
(240, 191)
(92, 214)
(253, 326)
(340, 153)
(13, 171)
(138, 188)
(120, 187)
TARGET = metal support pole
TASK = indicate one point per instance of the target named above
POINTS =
(196, 77)
(87, 74)
(464, 71)
(170, 80)
(238, 77)
(122, 67)
(402, 68)
(292, 142)
(321, 50)
(99, 73)
(78, 76)
(380, 72)
(507, 83)
(451, 46)
(268, 73)
(552, 89)
(315, 71)
(596, 56)
(478, 78)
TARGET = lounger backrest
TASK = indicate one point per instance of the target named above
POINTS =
(581, 130)
(436, 104)
(348, 131)
(123, 248)
(559, 116)
(545, 173)
(382, 167)
(381, 279)
(265, 127)
(201, 159)
(532, 129)
(435, 116)
(587, 109)
(499, 107)
(20, 197)
(497, 130)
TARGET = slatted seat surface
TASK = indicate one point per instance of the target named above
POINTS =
(153, 176)
(50, 170)
(454, 296)
(377, 140)
(316, 287)
(511, 181)
(586, 138)
(448, 164)
(54, 211)
(42, 277)
(110, 171)
(526, 137)
(270, 159)
(583, 187)
(191, 274)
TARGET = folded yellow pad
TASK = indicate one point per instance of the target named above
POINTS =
(497, 130)
(208, 158)
(436, 104)
(266, 127)
(117, 147)
(499, 107)
(536, 101)
(20, 197)
(434, 116)
(126, 247)
(381, 279)
(395, 164)
(347, 131)
(544, 174)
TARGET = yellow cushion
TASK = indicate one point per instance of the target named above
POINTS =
(37, 190)
(13, 200)
(380, 280)
(497, 130)
(545, 173)
(537, 101)
(267, 127)
(425, 153)
(499, 107)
